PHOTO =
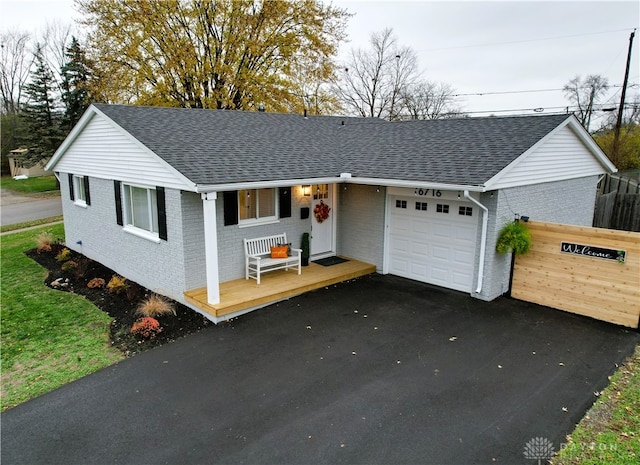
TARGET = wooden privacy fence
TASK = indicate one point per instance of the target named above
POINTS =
(589, 271)
(617, 204)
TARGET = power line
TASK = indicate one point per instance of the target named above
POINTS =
(561, 109)
(489, 44)
(526, 91)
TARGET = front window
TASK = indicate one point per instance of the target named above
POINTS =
(140, 207)
(257, 205)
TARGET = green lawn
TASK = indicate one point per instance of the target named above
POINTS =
(31, 185)
(49, 337)
(609, 434)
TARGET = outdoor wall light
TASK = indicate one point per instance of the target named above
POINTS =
(306, 190)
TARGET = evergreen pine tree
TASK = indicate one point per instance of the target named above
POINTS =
(75, 75)
(42, 132)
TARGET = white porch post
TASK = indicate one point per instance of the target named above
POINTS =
(211, 247)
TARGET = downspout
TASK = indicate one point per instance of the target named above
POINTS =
(483, 238)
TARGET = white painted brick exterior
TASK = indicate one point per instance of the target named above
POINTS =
(230, 245)
(361, 223)
(193, 236)
(178, 264)
(568, 202)
(158, 267)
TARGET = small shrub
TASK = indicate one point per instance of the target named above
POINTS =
(64, 255)
(155, 305)
(96, 283)
(133, 292)
(83, 266)
(146, 327)
(43, 242)
(117, 284)
(69, 265)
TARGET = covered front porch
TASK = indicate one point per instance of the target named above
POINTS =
(242, 295)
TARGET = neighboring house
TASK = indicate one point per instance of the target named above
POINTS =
(164, 196)
(17, 168)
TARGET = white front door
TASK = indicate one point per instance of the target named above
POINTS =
(322, 220)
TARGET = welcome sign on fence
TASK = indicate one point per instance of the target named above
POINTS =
(593, 251)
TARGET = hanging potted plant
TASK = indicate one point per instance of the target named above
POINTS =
(305, 246)
(514, 238)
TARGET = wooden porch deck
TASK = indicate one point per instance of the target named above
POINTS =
(244, 295)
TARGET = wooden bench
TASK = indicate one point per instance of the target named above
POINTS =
(257, 254)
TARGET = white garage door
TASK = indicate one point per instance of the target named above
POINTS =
(433, 240)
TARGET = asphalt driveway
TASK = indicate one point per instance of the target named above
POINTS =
(380, 370)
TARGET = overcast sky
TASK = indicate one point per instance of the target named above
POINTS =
(475, 46)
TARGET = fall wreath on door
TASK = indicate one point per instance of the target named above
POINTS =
(321, 211)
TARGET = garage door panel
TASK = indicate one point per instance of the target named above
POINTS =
(467, 234)
(442, 230)
(399, 266)
(419, 226)
(431, 246)
(401, 224)
(400, 245)
(420, 250)
(464, 257)
(440, 276)
(440, 252)
(419, 270)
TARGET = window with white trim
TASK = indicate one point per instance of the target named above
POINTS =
(79, 192)
(257, 205)
(140, 205)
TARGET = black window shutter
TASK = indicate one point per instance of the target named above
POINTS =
(230, 203)
(118, 192)
(284, 197)
(71, 194)
(162, 213)
(86, 190)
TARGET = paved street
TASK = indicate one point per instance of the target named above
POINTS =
(379, 370)
(17, 208)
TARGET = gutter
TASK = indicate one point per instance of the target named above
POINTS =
(343, 178)
(483, 239)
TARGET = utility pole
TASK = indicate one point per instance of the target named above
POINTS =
(616, 137)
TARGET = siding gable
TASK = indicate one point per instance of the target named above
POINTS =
(103, 150)
(562, 155)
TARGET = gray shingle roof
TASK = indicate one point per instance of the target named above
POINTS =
(220, 147)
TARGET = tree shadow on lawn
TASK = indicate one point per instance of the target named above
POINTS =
(121, 307)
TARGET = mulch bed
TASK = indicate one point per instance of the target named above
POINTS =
(121, 307)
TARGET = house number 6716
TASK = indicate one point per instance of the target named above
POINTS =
(425, 192)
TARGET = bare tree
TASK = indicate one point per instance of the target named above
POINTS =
(15, 63)
(374, 80)
(55, 40)
(584, 94)
(430, 100)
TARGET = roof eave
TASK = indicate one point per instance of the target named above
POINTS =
(343, 178)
